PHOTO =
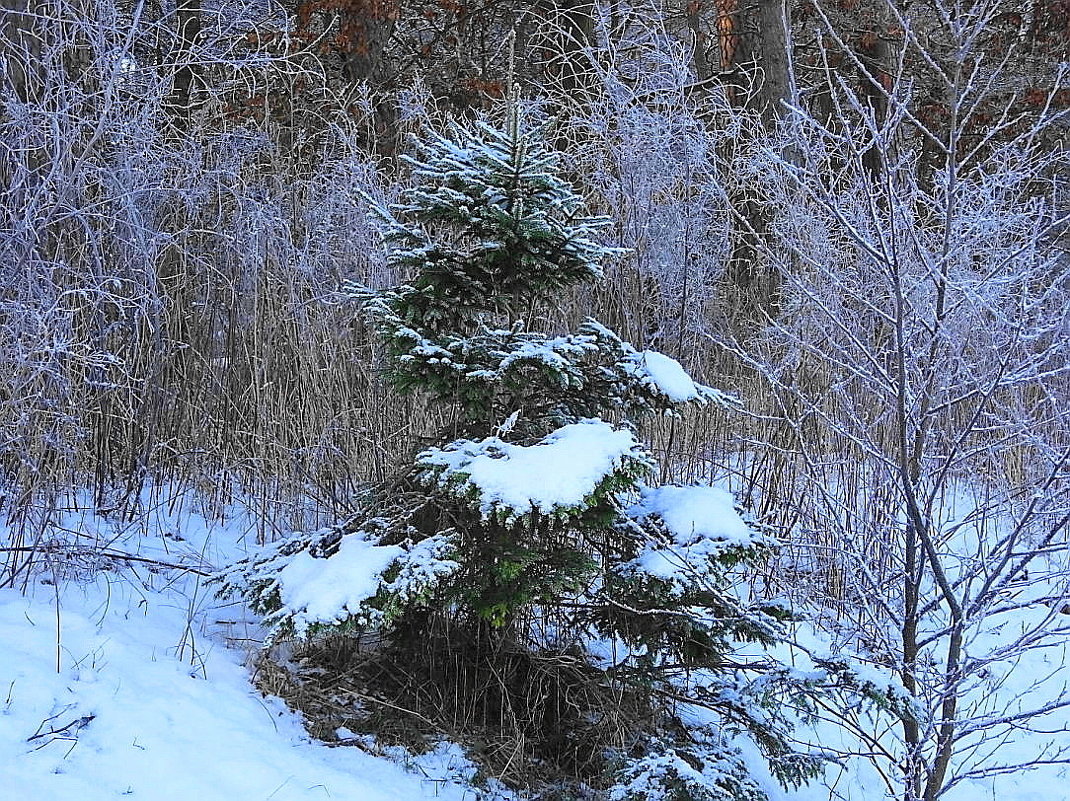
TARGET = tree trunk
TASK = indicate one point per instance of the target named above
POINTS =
(370, 28)
(773, 59)
(186, 73)
(763, 47)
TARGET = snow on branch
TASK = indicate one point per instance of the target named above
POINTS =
(555, 476)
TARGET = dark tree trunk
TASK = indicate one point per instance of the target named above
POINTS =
(771, 17)
(763, 50)
(186, 71)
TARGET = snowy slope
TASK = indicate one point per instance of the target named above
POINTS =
(150, 702)
(153, 697)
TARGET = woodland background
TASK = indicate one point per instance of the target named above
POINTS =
(852, 215)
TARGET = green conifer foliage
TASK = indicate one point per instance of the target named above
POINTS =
(488, 234)
(540, 511)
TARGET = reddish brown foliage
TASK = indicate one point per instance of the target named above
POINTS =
(355, 22)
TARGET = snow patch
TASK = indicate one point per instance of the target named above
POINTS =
(557, 473)
(702, 522)
(333, 589)
(666, 375)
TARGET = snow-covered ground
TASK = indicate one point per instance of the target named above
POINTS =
(130, 679)
(152, 698)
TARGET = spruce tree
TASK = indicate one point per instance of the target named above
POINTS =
(531, 528)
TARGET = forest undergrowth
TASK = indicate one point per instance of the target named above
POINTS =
(873, 264)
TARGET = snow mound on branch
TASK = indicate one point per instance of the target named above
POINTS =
(557, 473)
(331, 590)
(323, 579)
(666, 375)
(702, 523)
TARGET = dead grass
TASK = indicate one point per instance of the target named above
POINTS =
(537, 720)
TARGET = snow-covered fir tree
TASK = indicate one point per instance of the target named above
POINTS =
(530, 531)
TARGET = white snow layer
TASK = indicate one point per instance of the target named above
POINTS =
(702, 522)
(667, 376)
(331, 590)
(151, 699)
(568, 465)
